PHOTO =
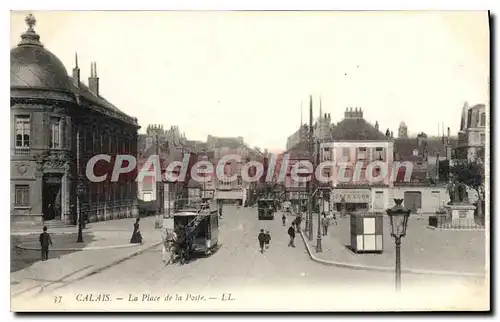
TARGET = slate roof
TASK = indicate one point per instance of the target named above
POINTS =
(299, 151)
(356, 129)
(404, 147)
(232, 143)
(85, 92)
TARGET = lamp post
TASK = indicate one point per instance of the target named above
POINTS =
(80, 190)
(319, 249)
(399, 221)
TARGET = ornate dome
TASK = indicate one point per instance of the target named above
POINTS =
(32, 66)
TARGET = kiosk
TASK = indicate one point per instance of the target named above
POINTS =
(367, 232)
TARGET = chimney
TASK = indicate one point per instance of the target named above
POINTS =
(448, 139)
(76, 72)
(93, 79)
(392, 135)
(376, 125)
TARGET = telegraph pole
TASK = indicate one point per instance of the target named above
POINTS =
(309, 186)
(158, 185)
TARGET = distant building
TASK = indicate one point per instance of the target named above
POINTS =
(295, 190)
(403, 131)
(301, 135)
(355, 140)
(472, 136)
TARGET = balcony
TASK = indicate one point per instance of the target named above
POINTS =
(22, 150)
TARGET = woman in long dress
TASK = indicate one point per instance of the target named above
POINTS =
(136, 234)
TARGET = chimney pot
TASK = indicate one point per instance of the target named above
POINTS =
(93, 79)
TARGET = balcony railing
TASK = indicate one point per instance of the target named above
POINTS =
(22, 150)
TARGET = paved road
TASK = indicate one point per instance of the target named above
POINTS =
(238, 267)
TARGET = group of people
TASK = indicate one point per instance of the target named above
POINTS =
(264, 240)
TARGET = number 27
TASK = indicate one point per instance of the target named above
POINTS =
(57, 299)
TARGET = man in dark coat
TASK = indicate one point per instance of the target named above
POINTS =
(45, 241)
(291, 233)
(298, 220)
(262, 240)
(268, 239)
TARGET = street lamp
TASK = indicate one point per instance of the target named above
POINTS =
(399, 221)
(319, 249)
(80, 190)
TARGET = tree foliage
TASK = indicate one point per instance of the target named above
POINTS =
(470, 173)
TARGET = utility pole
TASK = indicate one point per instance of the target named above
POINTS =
(159, 195)
(319, 247)
(311, 159)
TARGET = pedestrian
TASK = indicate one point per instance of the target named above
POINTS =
(267, 241)
(262, 240)
(325, 223)
(45, 242)
(283, 218)
(334, 217)
(298, 220)
(136, 234)
(220, 209)
(291, 233)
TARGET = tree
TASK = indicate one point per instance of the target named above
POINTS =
(470, 173)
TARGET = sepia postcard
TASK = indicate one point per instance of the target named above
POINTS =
(228, 161)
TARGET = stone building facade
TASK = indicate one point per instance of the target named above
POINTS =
(472, 134)
(57, 125)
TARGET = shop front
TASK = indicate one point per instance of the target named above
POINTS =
(351, 200)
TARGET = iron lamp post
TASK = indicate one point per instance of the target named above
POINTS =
(398, 216)
(80, 189)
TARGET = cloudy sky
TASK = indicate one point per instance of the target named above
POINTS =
(246, 73)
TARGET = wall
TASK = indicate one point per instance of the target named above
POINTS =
(231, 194)
(430, 201)
(333, 151)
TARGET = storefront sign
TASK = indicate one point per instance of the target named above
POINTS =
(351, 196)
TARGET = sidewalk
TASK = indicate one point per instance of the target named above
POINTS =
(101, 252)
(422, 249)
(125, 224)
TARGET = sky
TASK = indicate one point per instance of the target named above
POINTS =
(248, 73)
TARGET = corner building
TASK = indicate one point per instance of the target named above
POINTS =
(57, 125)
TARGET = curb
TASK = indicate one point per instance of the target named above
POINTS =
(93, 271)
(455, 229)
(385, 269)
(27, 233)
(20, 246)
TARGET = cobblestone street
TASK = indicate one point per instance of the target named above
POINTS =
(239, 268)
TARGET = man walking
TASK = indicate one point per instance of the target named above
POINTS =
(262, 240)
(325, 222)
(298, 220)
(267, 241)
(45, 241)
(291, 233)
(283, 218)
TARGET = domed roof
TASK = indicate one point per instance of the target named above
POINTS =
(402, 124)
(32, 66)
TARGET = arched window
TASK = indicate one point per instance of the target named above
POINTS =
(483, 119)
